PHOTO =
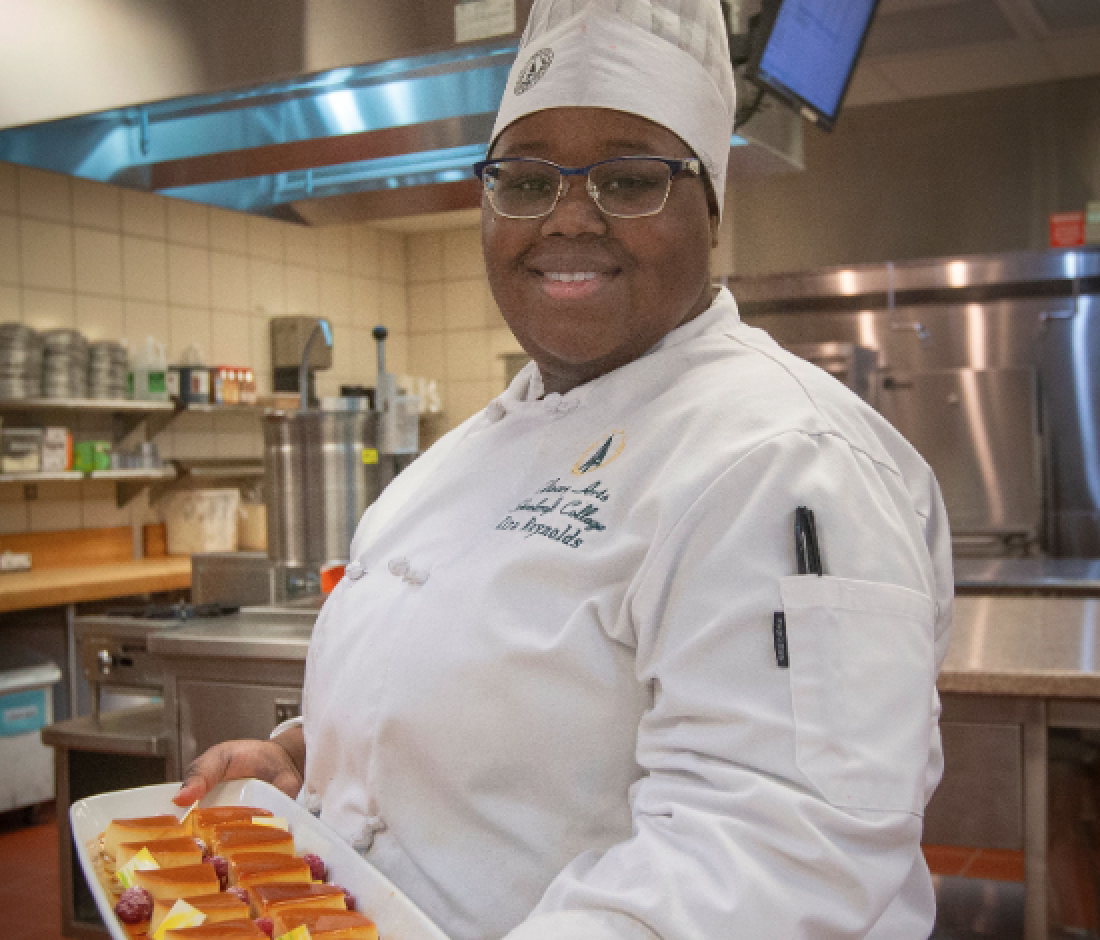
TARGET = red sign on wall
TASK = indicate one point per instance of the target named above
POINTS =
(1067, 229)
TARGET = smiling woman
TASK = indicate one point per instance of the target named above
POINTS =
(571, 687)
(584, 291)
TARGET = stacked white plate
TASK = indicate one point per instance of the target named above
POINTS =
(64, 364)
(20, 362)
(108, 364)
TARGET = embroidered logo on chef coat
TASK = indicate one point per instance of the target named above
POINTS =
(601, 453)
(534, 70)
(560, 512)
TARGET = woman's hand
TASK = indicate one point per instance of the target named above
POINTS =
(279, 762)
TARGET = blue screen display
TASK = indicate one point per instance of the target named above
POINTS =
(813, 47)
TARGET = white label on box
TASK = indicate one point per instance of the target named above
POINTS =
(20, 714)
(480, 19)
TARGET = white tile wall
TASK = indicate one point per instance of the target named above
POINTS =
(143, 214)
(9, 249)
(48, 310)
(188, 223)
(100, 318)
(117, 263)
(97, 262)
(144, 268)
(46, 254)
(8, 185)
(97, 206)
(228, 231)
(188, 276)
(454, 328)
(44, 196)
(10, 305)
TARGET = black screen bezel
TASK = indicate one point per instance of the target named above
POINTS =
(765, 27)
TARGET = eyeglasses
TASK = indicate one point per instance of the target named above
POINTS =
(626, 187)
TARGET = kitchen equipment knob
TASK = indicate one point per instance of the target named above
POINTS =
(105, 661)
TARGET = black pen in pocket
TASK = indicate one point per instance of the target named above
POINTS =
(807, 555)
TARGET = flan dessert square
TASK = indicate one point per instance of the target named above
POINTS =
(203, 821)
(141, 829)
(268, 898)
(325, 924)
(168, 853)
(231, 840)
(266, 868)
(217, 908)
(227, 930)
(187, 881)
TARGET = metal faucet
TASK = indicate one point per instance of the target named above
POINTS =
(325, 330)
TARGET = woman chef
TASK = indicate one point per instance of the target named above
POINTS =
(552, 696)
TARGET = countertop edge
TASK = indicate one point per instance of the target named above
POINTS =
(51, 587)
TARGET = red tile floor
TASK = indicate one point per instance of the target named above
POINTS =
(30, 882)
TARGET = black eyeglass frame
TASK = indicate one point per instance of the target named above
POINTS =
(676, 166)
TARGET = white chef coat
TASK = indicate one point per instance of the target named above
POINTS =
(545, 699)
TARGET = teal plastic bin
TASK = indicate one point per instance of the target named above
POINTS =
(26, 706)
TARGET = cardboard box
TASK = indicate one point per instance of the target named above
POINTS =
(20, 450)
(57, 449)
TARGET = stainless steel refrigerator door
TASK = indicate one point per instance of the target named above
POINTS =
(1069, 352)
(978, 429)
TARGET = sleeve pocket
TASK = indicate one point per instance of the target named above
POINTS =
(862, 670)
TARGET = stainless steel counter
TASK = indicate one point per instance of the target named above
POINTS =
(1063, 576)
(1025, 646)
(270, 633)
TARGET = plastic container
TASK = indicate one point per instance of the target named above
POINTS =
(91, 456)
(149, 372)
(26, 706)
(190, 384)
(201, 521)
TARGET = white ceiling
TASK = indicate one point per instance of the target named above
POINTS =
(923, 48)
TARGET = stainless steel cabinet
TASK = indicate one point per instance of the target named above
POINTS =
(211, 712)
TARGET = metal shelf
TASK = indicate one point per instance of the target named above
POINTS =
(225, 468)
(53, 476)
(144, 474)
(148, 475)
(86, 404)
(203, 408)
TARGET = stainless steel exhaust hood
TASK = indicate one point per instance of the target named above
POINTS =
(391, 138)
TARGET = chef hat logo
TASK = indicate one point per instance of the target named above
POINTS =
(664, 60)
(534, 70)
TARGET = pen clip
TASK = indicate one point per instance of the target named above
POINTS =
(807, 551)
(801, 555)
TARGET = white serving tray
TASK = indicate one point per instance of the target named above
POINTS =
(375, 895)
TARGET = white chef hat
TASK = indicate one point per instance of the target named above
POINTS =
(665, 60)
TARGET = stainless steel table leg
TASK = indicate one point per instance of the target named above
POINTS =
(1035, 824)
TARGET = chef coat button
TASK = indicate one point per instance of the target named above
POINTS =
(355, 571)
(313, 802)
(414, 576)
(495, 410)
(399, 567)
(372, 825)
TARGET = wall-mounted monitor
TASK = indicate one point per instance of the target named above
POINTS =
(805, 52)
